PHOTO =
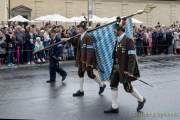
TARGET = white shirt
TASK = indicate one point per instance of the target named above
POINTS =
(121, 37)
(82, 35)
(176, 35)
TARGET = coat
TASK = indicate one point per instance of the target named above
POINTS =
(85, 50)
(124, 57)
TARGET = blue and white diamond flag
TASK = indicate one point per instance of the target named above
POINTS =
(105, 38)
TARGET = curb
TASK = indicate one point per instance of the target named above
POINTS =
(158, 58)
(140, 59)
(35, 65)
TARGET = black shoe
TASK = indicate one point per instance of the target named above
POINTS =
(101, 89)
(112, 110)
(78, 94)
(64, 77)
(51, 81)
(141, 105)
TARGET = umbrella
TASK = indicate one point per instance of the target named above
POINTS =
(53, 17)
(105, 20)
(42, 18)
(95, 19)
(18, 18)
(136, 21)
(77, 19)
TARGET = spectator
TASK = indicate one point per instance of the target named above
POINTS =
(46, 42)
(39, 46)
(65, 52)
(154, 42)
(145, 41)
(71, 53)
(169, 39)
(149, 41)
(29, 46)
(10, 41)
(73, 31)
(177, 41)
(2, 48)
(59, 30)
(139, 42)
(160, 41)
(20, 38)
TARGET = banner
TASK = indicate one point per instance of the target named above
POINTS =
(105, 38)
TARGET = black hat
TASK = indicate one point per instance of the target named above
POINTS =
(118, 19)
(83, 24)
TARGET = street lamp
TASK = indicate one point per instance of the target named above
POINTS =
(90, 10)
(9, 8)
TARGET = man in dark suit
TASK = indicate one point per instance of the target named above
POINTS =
(154, 42)
(54, 54)
(169, 40)
(160, 41)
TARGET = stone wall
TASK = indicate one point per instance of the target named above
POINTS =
(166, 11)
(3, 10)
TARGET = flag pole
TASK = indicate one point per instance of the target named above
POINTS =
(50, 46)
(147, 9)
(140, 12)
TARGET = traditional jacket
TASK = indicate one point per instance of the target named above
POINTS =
(124, 57)
(85, 50)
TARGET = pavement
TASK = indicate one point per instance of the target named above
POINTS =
(24, 94)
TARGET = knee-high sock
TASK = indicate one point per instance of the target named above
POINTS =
(137, 95)
(82, 84)
(114, 94)
(96, 79)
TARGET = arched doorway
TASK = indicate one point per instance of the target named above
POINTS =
(21, 10)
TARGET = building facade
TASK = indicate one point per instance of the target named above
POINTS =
(3, 10)
(166, 12)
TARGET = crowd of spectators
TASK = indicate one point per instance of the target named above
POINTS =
(17, 43)
(157, 40)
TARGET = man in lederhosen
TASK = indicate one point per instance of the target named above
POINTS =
(125, 69)
(85, 58)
